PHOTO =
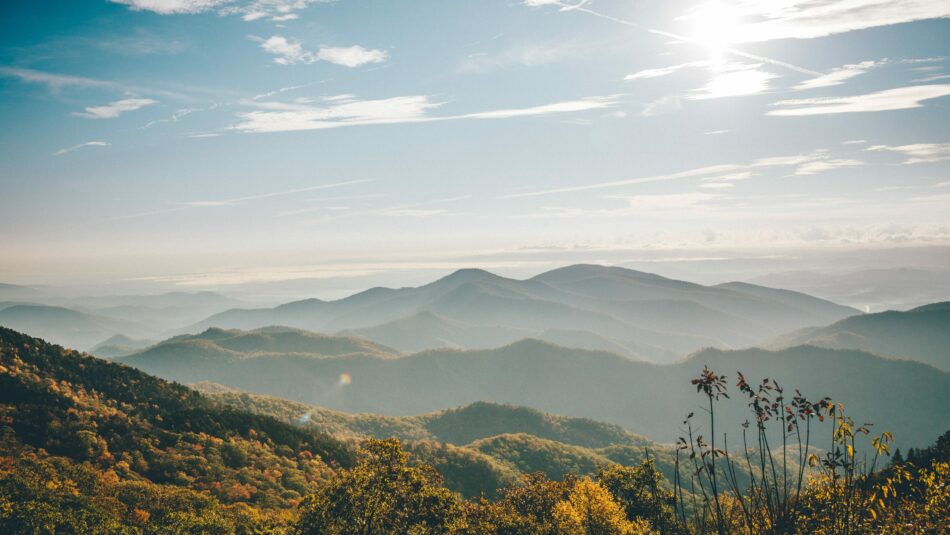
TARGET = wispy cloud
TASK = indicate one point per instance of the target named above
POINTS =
(278, 91)
(60, 152)
(347, 113)
(290, 52)
(52, 80)
(350, 111)
(249, 10)
(900, 98)
(522, 55)
(918, 152)
(807, 19)
(822, 166)
(662, 106)
(115, 108)
(838, 76)
(239, 200)
(173, 118)
(726, 172)
(663, 71)
(56, 82)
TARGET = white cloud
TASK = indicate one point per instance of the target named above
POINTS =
(275, 10)
(348, 113)
(351, 111)
(730, 177)
(821, 166)
(900, 98)
(351, 56)
(287, 52)
(806, 19)
(115, 108)
(559, 3)
(172, 7)
(663, 71)
(838, 76)
(60, 152)
(567, 106)
(918, 152)
(291, 52)
(734, 80)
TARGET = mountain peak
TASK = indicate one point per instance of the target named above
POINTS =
(465, 275)
(580, 271)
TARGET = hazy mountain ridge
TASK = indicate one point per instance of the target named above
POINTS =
(907, 398)
(84, 322)
(642, 315)
(873, 290)
(921, 334)
(66, 326)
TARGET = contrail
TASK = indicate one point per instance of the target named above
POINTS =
(580, 7)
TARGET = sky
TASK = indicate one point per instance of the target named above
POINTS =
(213, 144)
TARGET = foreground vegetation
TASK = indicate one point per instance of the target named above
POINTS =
(88, 446)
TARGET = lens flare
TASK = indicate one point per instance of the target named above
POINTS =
(345, 379)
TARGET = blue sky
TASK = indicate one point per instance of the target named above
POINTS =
(208, 143)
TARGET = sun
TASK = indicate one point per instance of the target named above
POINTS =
(716, 26)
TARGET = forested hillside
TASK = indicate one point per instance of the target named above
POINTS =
(91, 443)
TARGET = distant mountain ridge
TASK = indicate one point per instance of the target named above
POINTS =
(921, 334)
(641, 315)
(907, 398)
(64, 325)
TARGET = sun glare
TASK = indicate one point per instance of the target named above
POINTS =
(715, 25)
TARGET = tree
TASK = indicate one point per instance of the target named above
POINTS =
(639, 491)
(382, 494)
(590, 509)
(527, 508)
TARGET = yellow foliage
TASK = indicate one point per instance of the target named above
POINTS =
(591, 510)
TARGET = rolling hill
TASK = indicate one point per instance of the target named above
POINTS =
(478, 448)
(640, 315)
(907, 398)
(921, 334)
(119, 346)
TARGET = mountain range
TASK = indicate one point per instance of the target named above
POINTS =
(921, 334)
(636, 314)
